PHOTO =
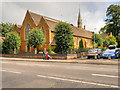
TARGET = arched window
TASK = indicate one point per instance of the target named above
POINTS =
(77, 41)
(28, 27)
(43, 29)
(88, 43)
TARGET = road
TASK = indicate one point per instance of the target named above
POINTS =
(24, 74)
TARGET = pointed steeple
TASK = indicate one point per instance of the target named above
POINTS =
(79, 20)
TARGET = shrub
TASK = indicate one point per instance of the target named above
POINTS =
(81, 44)
(49, 49)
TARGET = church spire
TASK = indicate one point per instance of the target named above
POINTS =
(79, 20)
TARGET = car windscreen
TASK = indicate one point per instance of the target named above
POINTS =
(92, 50)
(113, 47)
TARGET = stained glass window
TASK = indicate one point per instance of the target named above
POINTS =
(28, 27)
(77, 41)
(43, 29)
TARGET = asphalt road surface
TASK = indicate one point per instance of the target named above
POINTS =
(21, 74)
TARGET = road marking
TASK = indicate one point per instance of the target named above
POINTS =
(2, 70)
(11, 71)
(101, 75)
(78, 81)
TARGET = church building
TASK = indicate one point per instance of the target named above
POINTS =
(47, 25)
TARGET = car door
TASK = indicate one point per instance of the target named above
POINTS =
(117, 53)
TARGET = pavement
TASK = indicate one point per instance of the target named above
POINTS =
(79, 60)
(24, 74)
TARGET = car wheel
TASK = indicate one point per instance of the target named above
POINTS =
(116, 56)
(98, 56)
(109, 57)
(95, 57)
(88, 57)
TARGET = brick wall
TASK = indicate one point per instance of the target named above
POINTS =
(54, 56)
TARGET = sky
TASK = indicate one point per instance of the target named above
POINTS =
(93, 14)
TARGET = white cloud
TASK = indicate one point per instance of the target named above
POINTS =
(93, 13)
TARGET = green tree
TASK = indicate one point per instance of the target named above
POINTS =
(103, 29)
(11, 43)
(118, 40)
(105, 43)
(98, 40)
(112, 21)
(35, 38)
(5, 28)
(0, 47)
(111, 40)
(49, 49)
(63, 37)
(81, 44)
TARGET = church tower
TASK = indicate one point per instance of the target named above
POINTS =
(79, 20)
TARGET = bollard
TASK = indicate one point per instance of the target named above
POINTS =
(14, 50)
(109, 57)
(81, 55)
(95, 57)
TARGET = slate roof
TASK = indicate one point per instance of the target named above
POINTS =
(52, 22)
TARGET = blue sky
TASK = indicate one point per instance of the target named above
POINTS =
(92, 13)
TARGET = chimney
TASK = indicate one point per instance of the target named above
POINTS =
(84, 27)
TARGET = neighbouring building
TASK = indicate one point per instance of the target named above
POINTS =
(33, 20)
(2, 39)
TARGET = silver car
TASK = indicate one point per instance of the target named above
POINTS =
(94, 53)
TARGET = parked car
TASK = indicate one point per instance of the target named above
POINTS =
(118, 53)
(112, 53)
(94, 52)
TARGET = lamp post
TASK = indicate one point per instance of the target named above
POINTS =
(94, 38)
(94, 43)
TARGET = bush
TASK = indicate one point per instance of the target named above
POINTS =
(110, 40)
(11, 43)
(105, 43)
(103, 49)
(98, 40)
(49, 49)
